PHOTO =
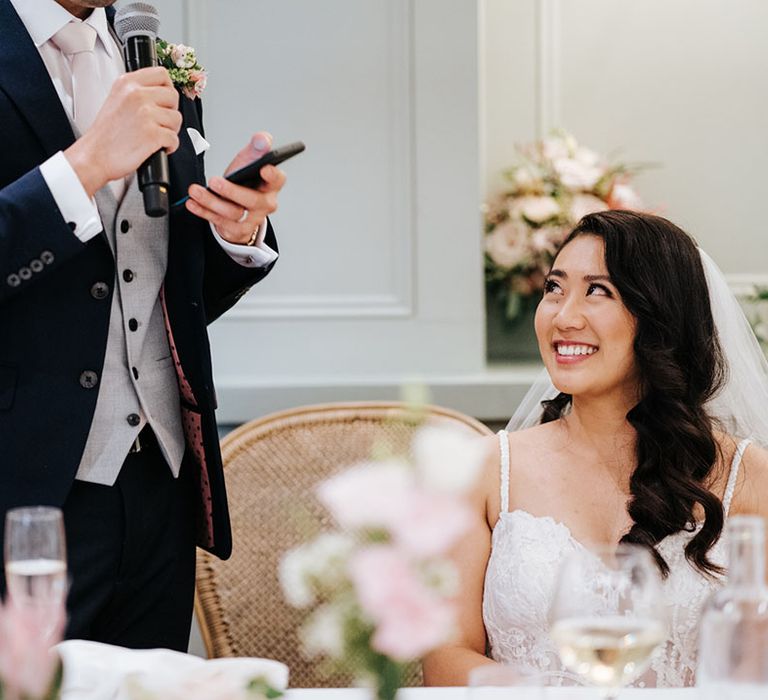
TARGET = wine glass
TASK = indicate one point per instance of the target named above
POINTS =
(36, 563)
(607, 616)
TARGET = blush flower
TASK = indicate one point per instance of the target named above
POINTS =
(409, 621)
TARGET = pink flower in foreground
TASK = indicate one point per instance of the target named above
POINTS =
(199, 79)
(370, 495)
(432, 523)
(182, 56)
(410, 619)
(27, 662)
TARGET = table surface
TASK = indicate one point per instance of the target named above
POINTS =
(464, 693)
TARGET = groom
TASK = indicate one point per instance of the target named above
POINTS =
(106, 390)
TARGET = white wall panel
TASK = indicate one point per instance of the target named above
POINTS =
(679, 84)
(380, 276)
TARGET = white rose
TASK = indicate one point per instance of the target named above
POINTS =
(507, 244)
(323, 632)
(448, 459)
(539, 209)
(577, 176)
(583, 204)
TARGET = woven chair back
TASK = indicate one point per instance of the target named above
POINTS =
(272, 466)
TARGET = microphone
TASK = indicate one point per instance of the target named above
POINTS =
(136, 25)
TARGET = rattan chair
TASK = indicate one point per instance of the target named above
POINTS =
(272, 465)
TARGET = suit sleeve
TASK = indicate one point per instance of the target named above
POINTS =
(34, 237)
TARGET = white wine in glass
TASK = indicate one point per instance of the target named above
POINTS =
(607, 616)
(36, 562)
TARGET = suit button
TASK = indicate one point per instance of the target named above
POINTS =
(36, 265)
(47, 257)
(133, 324)
(89, 379)
(133, 419)
(100, 290)
(125, 226)
(25, 273)
(128, 275)
(135, 372)
(13, 280)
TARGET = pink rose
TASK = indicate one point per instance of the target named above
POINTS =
(199, 79)
(410, 619)
(27, 662)
(431, 523)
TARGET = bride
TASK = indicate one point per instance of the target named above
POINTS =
(644, 439)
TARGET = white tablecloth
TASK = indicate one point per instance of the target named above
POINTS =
(509, 693)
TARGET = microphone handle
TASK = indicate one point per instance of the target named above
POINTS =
(153, 174)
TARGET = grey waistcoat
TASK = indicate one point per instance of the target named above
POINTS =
(138, 378)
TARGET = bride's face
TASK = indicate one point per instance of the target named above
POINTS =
(585, 332)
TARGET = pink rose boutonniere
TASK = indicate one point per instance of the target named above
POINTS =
(181, 63)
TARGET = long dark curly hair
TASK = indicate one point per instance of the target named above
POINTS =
(657, 270)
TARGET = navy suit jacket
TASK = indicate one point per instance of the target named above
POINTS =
(52, 328)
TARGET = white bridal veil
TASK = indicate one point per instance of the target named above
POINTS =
(741, 405)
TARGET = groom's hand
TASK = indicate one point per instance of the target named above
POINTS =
(234, 210)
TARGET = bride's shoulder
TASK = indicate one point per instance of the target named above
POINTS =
(752, 477)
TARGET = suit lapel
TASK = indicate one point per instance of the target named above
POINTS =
(24, 78)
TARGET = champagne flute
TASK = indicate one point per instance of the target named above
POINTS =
(607, 616)
(36, 563)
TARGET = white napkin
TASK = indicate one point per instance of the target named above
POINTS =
(94, 671)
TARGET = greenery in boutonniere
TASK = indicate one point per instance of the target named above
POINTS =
(181, 62)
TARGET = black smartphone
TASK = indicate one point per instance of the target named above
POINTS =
(249, 175)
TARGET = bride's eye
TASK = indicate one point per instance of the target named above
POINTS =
(599, 290)
(552, 287)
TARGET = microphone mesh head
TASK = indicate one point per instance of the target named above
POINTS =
(136, 18)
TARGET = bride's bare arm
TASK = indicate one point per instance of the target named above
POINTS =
(751, 495)
(450, 664)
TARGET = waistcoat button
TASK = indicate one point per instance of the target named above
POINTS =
(125, 226)
(128, 275)
(100, 290)
(133, 419)
(89, 379)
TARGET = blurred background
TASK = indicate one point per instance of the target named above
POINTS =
(411, 110)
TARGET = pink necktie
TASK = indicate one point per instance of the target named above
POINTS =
(76, 40)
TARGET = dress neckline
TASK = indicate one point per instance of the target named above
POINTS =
(569, 533)
(504, 509)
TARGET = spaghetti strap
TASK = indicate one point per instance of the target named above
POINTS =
(504, 446)
(735, 464)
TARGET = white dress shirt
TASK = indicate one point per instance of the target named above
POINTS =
(42, 19)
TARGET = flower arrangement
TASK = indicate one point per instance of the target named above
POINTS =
(29, 668)
(181, 62)
(556, 183)
(755, 305)
(380, 587)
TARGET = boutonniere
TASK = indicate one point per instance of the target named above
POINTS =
(181, 63)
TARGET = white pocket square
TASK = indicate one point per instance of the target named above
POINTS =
(199, 143)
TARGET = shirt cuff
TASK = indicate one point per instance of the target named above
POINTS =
(76, 208)
(257, 255)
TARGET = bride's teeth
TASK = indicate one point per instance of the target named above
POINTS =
(570, 350)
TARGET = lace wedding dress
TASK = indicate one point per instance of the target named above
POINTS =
(520, 580)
